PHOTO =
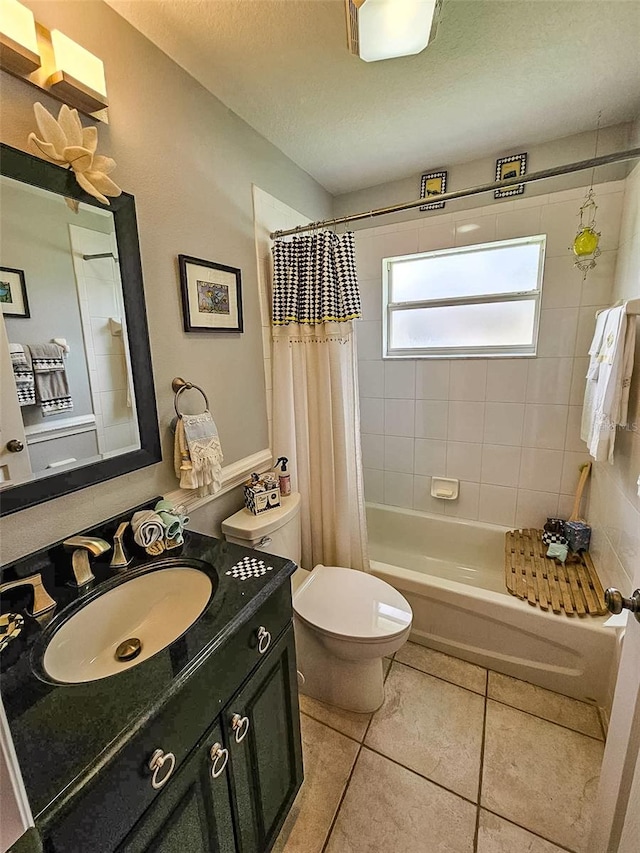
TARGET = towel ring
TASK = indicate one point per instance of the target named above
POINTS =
(179, 385)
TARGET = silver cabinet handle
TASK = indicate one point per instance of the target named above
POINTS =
(219, 756)
(240, 727)
(157, 762)
(264, 639)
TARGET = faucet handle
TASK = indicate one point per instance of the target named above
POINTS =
(42, 601)
(91, 544)
(120, 559)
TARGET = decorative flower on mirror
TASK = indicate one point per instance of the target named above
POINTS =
(68, 143)
(585, 246)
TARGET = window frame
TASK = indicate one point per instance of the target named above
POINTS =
(497, 351)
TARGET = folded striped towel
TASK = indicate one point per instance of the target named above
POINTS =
(23, 374)
(52, 388)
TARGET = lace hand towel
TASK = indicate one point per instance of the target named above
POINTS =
(198, 454)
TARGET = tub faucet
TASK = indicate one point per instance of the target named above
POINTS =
(82, 547)
(42, 601)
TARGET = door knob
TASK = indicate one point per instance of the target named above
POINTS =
(616, 602)
(15, 446)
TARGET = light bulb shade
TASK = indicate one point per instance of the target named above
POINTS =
(19, 52)
(78, 77)
(586, 242)
(386, 29)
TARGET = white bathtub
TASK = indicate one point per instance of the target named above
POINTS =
(452, 573)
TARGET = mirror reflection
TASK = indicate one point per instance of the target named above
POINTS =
(67, 390)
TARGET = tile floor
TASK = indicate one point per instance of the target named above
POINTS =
(457, 760)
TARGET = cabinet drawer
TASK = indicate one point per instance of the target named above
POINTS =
(121, 792)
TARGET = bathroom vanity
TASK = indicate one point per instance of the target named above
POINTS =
(196, 748)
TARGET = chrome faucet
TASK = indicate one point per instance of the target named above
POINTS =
(82, 547)
(42, 601)
(120, 560)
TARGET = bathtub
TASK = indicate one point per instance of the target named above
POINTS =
(452, 573)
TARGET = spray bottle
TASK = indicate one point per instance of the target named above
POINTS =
(284, 477)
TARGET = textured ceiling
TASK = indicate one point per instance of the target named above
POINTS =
(499, 75)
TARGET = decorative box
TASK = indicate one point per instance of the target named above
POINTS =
(261, 493)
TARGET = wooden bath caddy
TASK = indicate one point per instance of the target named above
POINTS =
(532, 576)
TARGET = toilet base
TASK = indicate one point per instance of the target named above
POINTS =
(354, 685)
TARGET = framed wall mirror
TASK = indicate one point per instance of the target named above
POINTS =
(77, 399)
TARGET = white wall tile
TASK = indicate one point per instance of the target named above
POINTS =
(432, 379)
(562, 283)
(578, 380)
(399, 416)
(398, 454)
(503, 423)
(464, 461)
(597, 287)
(573, 440)
(373, 485)
(468, 380)
(518, 223)
(371, 298)
(398, 489)
(422, 499)
(549, 380)
(500, 465)
(559, 223)
(507, 380)
(400, 380)
(432, 417)
(372, 450)
(533, 508)
(571, 466)
(111, 374)
(430, 457)
(478, 229)
(558, 329)
(371, 378)
(372, 415)
(466, 421)
(369, 339)
(541, 470)
(497, 505)
(586, 328)
(545, 426)
(436, 235)
(466, 506)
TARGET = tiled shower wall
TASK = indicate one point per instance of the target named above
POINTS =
(508, 429)
(614, 507)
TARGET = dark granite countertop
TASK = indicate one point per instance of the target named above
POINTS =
(64, 734)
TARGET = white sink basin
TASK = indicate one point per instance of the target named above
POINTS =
(154, 609)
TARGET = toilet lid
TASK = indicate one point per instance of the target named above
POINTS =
(348, 603)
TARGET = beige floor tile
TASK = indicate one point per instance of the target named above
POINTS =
(452, 669)
(540, 775)
(496, 835)
(388, 809)
(432, 727)
(348, 722)
(543, 703)
(386, 666)
(328, 760)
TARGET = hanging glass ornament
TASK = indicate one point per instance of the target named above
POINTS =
(585, 246)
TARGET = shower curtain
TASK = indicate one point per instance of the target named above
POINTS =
(316, 418)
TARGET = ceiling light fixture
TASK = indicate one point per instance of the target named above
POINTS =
(385, 29)
(19, 52)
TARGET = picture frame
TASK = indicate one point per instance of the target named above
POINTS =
(510, 167)
(13, 293)
(431, 184)
(211, 296)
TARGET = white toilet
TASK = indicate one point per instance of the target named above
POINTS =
(345, 621)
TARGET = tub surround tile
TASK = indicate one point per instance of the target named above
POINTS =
(573, 442)
(373, 485)
(431, 419)
(466, 421)
(554, 707)
(398, 454)
(533, 508)
(468, 380)
(558, 330)
(388, 808)
(399, 416)
(432, 727)
(496, 835)
(466, 506)
(398, 489)
(308, 823)
(518, 223)
(545, 426)
(507, 380)
(497, 505)
(503, 423)
(400, 380)
(541, 470)
(562, 284)
(422, 498)
(372, 450)
(372, 415)
(578, 380)
(549, 380)
(438, 236)
(540, 775)
(571, 471)
(369, 340)
(451, 669)
(430, 457)
(432, 380)
(500, 465)
(346, 722)
(371, 378)
(464, 460)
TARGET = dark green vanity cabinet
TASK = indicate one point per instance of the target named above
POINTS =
(252, 744)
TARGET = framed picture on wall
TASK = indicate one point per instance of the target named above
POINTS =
(433, 183)
(211, 296)
(13, 293)
(510, 167)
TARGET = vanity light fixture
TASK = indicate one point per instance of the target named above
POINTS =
(19, 53)
(78, 76)
(385, 29)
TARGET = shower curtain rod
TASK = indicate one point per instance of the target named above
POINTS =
(591, 163)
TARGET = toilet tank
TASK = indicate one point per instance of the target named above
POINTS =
(276, 531)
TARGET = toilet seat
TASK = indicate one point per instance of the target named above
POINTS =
(349, 604)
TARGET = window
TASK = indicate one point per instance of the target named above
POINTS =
(474, 301)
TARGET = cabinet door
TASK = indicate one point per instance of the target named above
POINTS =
(262, 733)
(193, 813)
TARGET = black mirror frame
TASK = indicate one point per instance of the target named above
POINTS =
(28, 169)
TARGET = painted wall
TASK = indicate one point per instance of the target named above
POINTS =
(190, 162)
(508, 429)
(476, 172)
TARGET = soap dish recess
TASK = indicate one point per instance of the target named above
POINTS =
(445, 488)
